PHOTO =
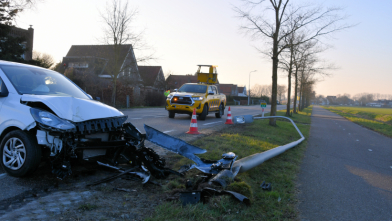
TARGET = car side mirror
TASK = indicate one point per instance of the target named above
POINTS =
(3, 90)
(90, 97)
(175, 90)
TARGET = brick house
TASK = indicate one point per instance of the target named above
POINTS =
(28, 36)
(153, 84)
(176, 81)
(228, 89)
(100, 60)
(242, 92)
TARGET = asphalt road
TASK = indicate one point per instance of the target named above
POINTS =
(346, 173)
(158, 118)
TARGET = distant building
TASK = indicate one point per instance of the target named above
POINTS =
(100, 59)
(28, 36)
(153, 77)
(176, 81)
(242, 91)
(331, 100)
(373, 105)
(228, 89)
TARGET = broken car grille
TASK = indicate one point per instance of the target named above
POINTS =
(100, 125)
(181, 100)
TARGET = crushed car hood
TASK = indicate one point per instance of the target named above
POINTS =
(74, 109)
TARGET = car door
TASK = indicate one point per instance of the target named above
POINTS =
(216, 98)
(3, 89)
(2, 99)
(211, 97)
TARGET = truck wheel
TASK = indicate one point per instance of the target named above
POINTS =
(171, 114)
(203, 114)
(20, 153)
(221, 112)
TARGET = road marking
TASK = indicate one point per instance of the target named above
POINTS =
(3, 175)
(344, 129)
(135, 118)
(391, 167)
(214, 122)
(357, 140)
(168, 131)
(159, 116)
(370, 149)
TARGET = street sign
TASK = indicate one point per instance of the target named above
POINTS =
(263, 104)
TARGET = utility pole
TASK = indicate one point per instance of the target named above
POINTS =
(249, 87)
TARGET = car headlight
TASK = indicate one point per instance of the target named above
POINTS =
(197, 98)
(50, 120)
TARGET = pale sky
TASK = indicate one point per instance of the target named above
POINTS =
(185, 33)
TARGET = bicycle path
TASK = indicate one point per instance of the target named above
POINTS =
(346, 173)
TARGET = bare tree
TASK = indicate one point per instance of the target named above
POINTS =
(315, 21)
(118, 18)
(45, 60)
(10, 9)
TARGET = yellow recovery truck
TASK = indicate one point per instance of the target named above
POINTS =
(202, 96)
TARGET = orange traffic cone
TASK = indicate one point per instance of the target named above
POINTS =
(228, 119)
(193, 127)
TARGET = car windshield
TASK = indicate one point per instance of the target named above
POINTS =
(28, 80)
(193, 88)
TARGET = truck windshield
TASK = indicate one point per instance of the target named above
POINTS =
(37, 81)
(193, 88)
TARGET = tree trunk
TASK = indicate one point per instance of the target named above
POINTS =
(295, 90)
(275, 61)
(289, 83)
(300, 97)
(272, 121)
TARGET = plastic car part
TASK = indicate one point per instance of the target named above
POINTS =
(266, 186)
(187, 150)
(192, 197)
(174, 144)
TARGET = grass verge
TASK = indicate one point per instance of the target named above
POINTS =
(245, 140)
(377, 120)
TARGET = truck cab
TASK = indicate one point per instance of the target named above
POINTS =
(202, 96)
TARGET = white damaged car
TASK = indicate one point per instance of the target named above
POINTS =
(45, 116)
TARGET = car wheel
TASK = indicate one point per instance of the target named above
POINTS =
(171, 114)
(20, 153)
(221, 112)
(204, 113)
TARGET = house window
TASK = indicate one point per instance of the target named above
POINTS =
(78, 65)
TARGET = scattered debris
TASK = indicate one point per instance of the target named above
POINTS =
(265, 186)
(124, 190)
(207, 192)
(190, 197)
(110, 178)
